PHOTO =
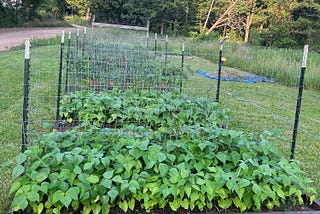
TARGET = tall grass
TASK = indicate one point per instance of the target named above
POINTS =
(281, 64)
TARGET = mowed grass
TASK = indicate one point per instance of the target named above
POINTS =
(254, 108)
(11, 89)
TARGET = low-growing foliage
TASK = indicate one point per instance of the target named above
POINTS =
(177, 163)
(149, 108)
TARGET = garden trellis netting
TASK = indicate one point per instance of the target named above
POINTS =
(109, 60)
(79, 61)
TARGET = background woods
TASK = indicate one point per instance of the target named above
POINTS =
(276, 23)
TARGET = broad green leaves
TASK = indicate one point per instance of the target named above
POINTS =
(187, 163)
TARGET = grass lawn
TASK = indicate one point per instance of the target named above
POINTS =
(11, 88)
(254, 108)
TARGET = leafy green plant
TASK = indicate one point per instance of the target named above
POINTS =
(190, 164)
(145, 107)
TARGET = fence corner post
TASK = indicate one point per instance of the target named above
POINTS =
(299, 99)
(25, 109)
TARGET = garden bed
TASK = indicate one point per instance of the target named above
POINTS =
(164, 151)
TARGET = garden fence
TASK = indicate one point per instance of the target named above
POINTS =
(105, 60)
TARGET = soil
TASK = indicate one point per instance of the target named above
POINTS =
(11, 37)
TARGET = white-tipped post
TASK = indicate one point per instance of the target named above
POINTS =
(62, 37)
(27, 49)
(182, 46)
(155, 36)
(167, 39)
(305, 56)
(69, 35)
(85, 30)
(77, 32)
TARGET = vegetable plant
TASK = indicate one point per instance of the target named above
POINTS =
(161, 150)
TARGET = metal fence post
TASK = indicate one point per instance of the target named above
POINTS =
(25, 109)
(299, 99)
(60, 76)
(68, 62)
(219, 69)
(84, 40)
(166, 54)
(182, 66)
(155, 44)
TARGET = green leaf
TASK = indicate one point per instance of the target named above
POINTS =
(108, 174)
(37, 208)
(77, 170)
(7, 163)
(225, 203)
(161, 157)
(105, 161)
(15, 186)
(113, 194)
(185, 204)
(131, 203)
(73, 193)
(143, 145)
(171, 157)
(165, 192)
(106, 183)
(163, 168)
(240, 191)
(280, 193)
(66, 201)
(117, 179)
(203, 145)
(133, 186)
(212, 169)
(96, 208)
(93, 179)
(222, 157)
(243, 183)
(200, 181)
(124, 205)
(21, 158)
(174, 175)
(256, 189)
(34, 196)
(88, 165)
(187, 190)
(239, 204)
(17, 171)
(57, 196)
(40, 176)
(76, 151)
(44, 187)
(19, 202)
(175, 204)
(184, 173)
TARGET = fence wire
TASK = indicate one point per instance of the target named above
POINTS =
(99, 60)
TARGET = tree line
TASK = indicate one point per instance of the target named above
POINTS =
(278, 23)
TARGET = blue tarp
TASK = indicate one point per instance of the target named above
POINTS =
(247, 78)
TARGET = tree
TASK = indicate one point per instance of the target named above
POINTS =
(223, 18)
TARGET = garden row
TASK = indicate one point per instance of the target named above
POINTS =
(149, 150)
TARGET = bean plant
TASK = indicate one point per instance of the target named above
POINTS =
(183, 160)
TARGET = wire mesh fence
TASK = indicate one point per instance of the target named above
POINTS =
(107, 61)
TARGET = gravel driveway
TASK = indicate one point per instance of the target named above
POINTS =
(10, 37)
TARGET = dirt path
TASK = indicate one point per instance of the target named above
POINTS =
(10, 37)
